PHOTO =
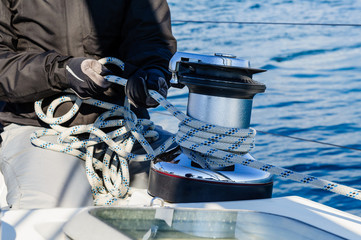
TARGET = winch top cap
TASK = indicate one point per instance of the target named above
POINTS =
(220, 59)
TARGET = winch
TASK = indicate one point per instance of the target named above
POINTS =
(221, 91)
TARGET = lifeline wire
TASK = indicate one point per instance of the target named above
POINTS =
(209, 145)
(270, 23)
(310, 140)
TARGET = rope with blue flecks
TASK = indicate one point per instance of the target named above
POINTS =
(209, 145)
(213, 146)
(113, 184)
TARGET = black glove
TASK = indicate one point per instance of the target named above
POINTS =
(139, 83)
(86, 77)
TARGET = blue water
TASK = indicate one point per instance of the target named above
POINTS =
(313, 83)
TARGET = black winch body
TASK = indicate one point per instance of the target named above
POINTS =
(222, 81)
(221, 91)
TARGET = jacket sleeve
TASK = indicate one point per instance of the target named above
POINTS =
(26, 76)
(148, 41)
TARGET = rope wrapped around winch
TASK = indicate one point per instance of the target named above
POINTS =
(209, 145)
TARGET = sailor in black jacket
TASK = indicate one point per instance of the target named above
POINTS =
(39, 40)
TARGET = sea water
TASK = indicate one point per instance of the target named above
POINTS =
(313, 83)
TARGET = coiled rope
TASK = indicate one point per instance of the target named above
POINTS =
(209, 145)
(113, 184)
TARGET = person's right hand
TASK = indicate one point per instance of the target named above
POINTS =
(86, 77)
(139, 83)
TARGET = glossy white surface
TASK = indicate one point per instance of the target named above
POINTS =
(48, 223)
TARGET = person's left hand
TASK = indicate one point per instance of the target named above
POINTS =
(139, 83)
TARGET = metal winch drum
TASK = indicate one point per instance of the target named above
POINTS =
(221, 91)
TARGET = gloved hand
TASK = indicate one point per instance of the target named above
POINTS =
(139, 83)
(86, 77)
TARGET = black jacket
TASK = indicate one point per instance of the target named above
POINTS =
(38, 37)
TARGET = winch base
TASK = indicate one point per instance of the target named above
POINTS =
(178, 189)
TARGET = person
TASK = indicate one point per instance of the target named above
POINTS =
(47, 47)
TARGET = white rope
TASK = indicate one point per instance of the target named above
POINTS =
(207, 144)
(113, 184)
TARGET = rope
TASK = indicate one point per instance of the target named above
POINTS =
(111, 183)
(209, 145)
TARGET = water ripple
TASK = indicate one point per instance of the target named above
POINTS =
(313, 53)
